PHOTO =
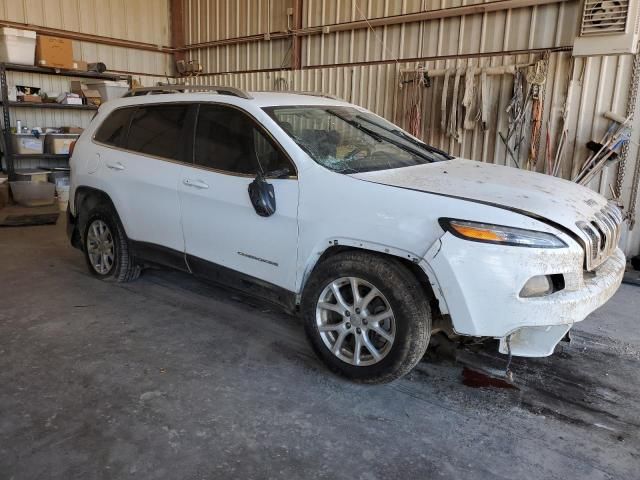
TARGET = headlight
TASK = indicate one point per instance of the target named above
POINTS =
(487, 233)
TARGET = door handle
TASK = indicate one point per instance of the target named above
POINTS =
(115, 166)
(195, 183)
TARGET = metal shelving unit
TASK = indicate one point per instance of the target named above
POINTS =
(6, 105)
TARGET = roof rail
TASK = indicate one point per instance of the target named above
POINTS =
(309, 93)
(319, 94)
(161, 89)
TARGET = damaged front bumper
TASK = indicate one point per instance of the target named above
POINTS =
(479, 286)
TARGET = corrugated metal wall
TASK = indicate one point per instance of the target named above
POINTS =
(139, 20)
(337, 63)
(207, 20)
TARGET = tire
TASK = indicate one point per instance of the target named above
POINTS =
(402, 311)
(104, 223)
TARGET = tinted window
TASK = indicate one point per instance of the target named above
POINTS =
(158, 130)
(229, 140)
(114, 128)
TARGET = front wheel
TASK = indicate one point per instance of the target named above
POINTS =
(367, 316)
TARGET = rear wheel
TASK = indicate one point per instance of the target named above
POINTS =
(366, 316)
(106, 247)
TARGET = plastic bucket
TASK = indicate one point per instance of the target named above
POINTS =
(62, 191)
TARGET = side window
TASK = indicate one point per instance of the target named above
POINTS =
(229, 140)
(114, 128)
(158, 130)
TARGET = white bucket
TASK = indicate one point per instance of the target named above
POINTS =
(63, 197)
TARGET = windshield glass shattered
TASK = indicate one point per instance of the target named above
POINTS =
(348, 140)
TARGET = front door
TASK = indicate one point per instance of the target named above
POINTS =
(221, 228)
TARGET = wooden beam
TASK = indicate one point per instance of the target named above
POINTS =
(296, 41)
(176, 15)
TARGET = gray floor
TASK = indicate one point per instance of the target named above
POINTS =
(169, 378)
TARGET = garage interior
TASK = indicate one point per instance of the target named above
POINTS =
(169, 377)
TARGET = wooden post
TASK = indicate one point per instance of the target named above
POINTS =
(296, 40)
(177, 28)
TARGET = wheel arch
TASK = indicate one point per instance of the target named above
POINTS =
(409, 261)
(85, 198)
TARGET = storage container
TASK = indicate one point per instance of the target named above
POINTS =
(59, 143)
(62, 192)
(32, 175)
(109, 89)
(25, 143)
(59, 174)
(17, 46)
(33, 194)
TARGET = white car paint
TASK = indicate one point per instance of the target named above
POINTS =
(394, 212)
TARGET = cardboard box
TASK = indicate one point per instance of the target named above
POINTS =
(59, 143)
(30, 98)
(54, 52)
(92, 96)
(76, 130)
(77, 86)
(67, 98)
(80, 65)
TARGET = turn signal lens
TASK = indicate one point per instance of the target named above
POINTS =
(476, 233)
(72, 146)
(500, 234)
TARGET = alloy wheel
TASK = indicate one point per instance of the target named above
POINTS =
(100, 247)
(355, 321)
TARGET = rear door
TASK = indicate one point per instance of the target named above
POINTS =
(143, 169)
(221, 228)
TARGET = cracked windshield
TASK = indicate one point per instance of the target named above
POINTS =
(347, 140)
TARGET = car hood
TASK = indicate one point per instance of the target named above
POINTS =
(535, 194)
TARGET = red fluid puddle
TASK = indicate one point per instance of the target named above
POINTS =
(474, 379)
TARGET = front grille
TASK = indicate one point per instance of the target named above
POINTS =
(603, 235)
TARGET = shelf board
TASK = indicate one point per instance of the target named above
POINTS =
(51, 105)
(66, 73)
(40, 156)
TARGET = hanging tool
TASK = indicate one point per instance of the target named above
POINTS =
(453, 130)
(414, 95)
(443, 104)
(614, 138)
(484, 102)
(515, 114)
(536, 77)
(469, 99)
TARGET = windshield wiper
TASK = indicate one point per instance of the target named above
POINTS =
(409, 138)
(377, 136)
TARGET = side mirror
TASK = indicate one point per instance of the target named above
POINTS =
(262, 196)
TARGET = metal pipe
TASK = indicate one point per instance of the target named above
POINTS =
(493, 6)
(87, 37)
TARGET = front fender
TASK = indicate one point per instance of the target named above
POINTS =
(336, 242)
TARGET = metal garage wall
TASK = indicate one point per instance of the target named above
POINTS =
(208, 20)
(140, 20)
(372, 59)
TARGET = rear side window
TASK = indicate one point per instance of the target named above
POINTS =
(114, 128)
(159, 130)
(229, 140)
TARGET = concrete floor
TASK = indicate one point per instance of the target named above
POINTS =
(169, 378)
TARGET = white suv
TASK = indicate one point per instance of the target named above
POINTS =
(318, 205)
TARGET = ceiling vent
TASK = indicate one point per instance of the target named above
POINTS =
(608, 27)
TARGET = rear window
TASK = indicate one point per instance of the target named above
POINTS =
(158, 130)
(114, 128)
